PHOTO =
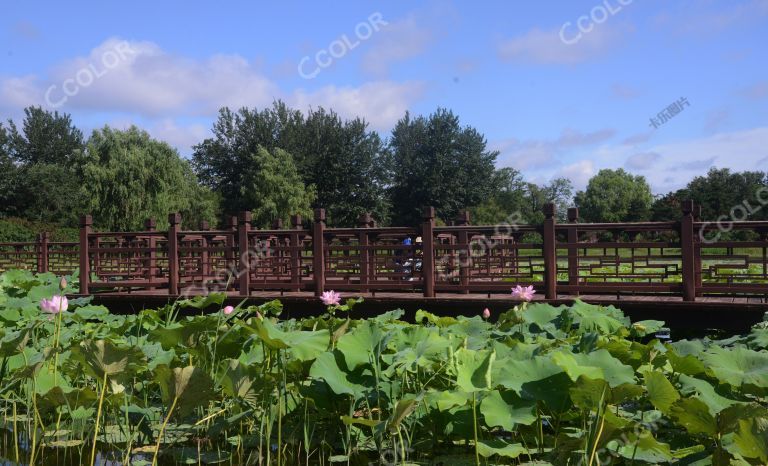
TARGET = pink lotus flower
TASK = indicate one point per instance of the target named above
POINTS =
(486, 313)
(54, 305)
(524, 293)
(330, 298)
(228, 310)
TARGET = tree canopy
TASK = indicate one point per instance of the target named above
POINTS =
(615, 196)
(279, 161)
(272, 188)
(127, 177)
(437, 162)
(343, 160)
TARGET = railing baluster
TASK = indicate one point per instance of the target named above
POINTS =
(174, 221)
(86, 222)
(687, 252)
(318, 251)
(428, 252)
(244, 265)
(550, 252)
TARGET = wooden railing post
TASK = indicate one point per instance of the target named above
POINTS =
(296, 247)
(363, 222)
(86, 223)
(42, 252)
(318, 251)
(687, 252)
(205, 263)
(428, 252)
(174, 226)
(231, 244)
(244, 249)
(573, 249)
(151, 226)
(465, 254)
(697, 249)
(550, 252)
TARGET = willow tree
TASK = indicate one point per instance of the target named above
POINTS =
(127, 177)
(272, 188)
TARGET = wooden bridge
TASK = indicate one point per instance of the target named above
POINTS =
(664, 263)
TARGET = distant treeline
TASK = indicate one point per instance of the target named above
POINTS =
(279, 161)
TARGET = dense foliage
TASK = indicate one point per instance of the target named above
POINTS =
(128, 177)
(615, 196)
(540, 385)
(342, 164)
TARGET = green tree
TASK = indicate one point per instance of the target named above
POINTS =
(272, 188)
(507, 199)
(46, 138)
(558, 191)
(721, 190)
(7, 173)
(345, 161)
(342, 159)
(128, 176)
(668, 207)
(615, 196)
(37, 180)
(437, 162)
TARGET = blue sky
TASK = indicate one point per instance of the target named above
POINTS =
(560, 88)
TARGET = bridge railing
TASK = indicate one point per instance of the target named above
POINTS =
(686, 258)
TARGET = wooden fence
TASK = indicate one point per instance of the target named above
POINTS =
(686, 258)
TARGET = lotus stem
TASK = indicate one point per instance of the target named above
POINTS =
(15, 435)
(597, 440)
(474, 427)
(98, 419)
(162, 430)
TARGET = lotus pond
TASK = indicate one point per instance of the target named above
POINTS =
(535, 385)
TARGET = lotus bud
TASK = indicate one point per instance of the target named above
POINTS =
(63, 284)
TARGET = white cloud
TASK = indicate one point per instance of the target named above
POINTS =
(757, 91)
(715, 120)
(639, 138)
(579, 173)
(694, 18)
(642, 161)
(149, 82)
(541, 153)
(548, 47)
(679, 162)
(624, 92)
(396, 42)
(382, 103)
(179, 136)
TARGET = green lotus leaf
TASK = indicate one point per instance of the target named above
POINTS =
(758, 339)
(489, 448)
(473, 369)
(303, 345)
(646, 448)
(506, 409)
(661, 392)
(751, 439)
(404, 408)
(327, 368)
(363, 344)
(705, 392)
(188, 386)
(103, 357)
(685, 364)
(738, 367)
(595, 365)
(693, 414)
